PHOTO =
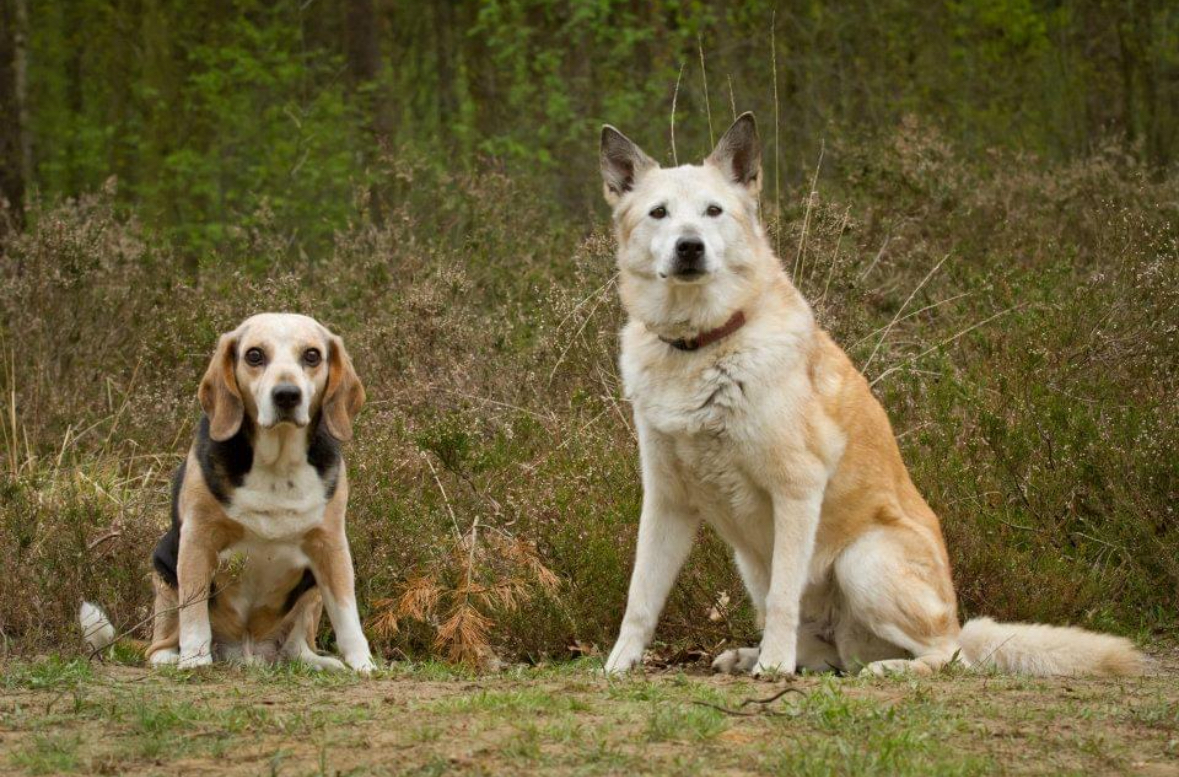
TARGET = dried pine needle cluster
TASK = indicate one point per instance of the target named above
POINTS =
(459, 598)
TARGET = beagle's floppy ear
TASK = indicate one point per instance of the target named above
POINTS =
(345, 393)
(219, 395)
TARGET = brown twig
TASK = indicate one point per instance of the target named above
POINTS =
(110, 535)
(762, 711)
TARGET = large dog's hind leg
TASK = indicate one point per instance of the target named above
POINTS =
(814, 655)
(815, 652)
(756, 575)
(900, 603)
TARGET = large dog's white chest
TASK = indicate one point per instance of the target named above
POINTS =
(720, 422)
(703, 419)
(279, 503)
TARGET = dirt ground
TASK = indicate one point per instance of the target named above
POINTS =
(61, 716)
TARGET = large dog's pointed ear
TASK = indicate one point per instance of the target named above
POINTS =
(219, 395)
(623, 163)
(345, 393)
(738, 154)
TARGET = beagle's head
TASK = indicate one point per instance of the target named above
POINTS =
(280, 368)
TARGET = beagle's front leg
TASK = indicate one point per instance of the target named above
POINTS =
(195, 566)
(331, 563)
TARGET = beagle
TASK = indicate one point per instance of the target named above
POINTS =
(264, 484)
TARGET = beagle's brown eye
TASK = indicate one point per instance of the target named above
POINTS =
(312, 357)
(714, 210)
(255, 357)
(658, 213)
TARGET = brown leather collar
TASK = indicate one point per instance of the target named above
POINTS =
(707, 338)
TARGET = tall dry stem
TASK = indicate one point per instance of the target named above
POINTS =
(675, 96)
(704, 78)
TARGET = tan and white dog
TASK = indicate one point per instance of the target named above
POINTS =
(753, 420)
(263, 479)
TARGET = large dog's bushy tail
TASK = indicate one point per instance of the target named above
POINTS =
(1034, 649)
(96, 627)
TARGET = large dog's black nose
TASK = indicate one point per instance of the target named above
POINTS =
(689, 256)
(286, 396)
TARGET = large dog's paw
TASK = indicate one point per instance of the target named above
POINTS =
(896, 666)
(772, 664)
(626, 655)
(361, 664)
(738, 661)
(322, 663)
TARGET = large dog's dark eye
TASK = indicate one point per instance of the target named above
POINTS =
(312, 357)
(714, 210)
(255, 357)
(658, 213)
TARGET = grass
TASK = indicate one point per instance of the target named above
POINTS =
(416, 719)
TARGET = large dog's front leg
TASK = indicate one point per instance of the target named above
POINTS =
(666, 530)
(331, 563)
(196, 562)
(796, 519)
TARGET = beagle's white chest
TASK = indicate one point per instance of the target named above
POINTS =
(279, 503)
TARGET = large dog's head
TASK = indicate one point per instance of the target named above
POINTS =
(690, 243)
(280, 368)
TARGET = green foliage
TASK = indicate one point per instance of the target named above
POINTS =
(220, 117)
(52, 673)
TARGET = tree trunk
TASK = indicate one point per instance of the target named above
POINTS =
(444, 50)
(364, 50)
(16, 150)
(362, 41)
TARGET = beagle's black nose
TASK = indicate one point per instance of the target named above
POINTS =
(286, 396)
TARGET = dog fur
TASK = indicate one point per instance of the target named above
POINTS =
(773, 437)
(263, 480)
